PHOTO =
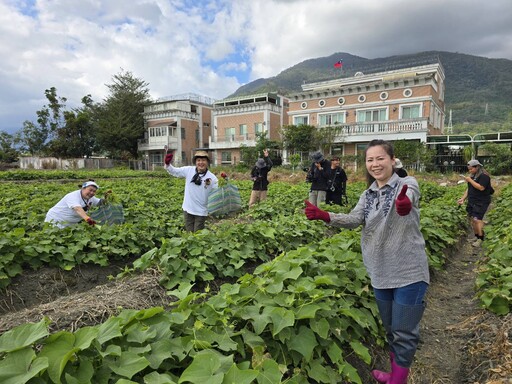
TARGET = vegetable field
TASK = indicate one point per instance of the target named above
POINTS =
(264, 296)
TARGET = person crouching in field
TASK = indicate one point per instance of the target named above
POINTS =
(199, 182)
(393, 252)
(73, 207)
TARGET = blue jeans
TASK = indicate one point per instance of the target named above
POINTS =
(411, 294)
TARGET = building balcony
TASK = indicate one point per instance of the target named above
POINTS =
(387, 130)
(157, 143)
(232, 141)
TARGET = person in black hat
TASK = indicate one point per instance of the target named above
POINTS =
(198, 185)
(318, 176)
(478, 195)
(259, 176)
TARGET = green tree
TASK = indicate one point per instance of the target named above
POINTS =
(77, 137)
(326, 136)
(8, 152)
(36, 136)
(119, 122)
(299, 138)
(413, 152)
(251, 154)
(499, 161)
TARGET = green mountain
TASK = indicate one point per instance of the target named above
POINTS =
(478, 89)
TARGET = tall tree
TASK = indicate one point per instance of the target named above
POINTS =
(77, 137)
(119, 119)
(299, 138)
(8, 152)
(36, 136)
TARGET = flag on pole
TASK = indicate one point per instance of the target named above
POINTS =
(338, 64)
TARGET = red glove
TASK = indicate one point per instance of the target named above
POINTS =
(168, 158)
(314, 213)
(403, 204)
(91, 222)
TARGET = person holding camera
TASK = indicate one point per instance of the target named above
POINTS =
(199, 182)
(73, 207)
(259, 176)
(318, 176)
(337, 183)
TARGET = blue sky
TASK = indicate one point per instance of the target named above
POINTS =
(213, 47)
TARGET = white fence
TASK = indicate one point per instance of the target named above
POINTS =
(55, 163)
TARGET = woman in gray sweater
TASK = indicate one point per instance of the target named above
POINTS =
(393, 252)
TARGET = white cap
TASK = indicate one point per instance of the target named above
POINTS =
(89, 183)
(398, 163)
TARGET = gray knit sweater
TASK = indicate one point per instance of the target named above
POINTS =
(393, 247)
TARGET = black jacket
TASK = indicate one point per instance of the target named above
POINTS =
(259, 176)
(319, 178)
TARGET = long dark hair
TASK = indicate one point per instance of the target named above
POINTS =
(387, 146)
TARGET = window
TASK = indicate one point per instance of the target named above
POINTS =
(304, 105)
(326, 119)
(183, 136)
(411, 111)
(407, 92)
(243, 129)
(372, 115)
(383, 95)
(341, 100)
(230, 134)
(258, 127)
(321, 103)
(157, 131)
(226, 157)
(301, 120)
(361, 98)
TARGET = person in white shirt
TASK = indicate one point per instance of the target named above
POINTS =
(199, 182)
(73, 207)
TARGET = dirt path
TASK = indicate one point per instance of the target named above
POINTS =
(458, 337)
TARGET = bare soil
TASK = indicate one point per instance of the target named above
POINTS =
(461, 343)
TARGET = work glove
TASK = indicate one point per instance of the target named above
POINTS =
(107, 194)
(90, 221)
(314, 213)
(168, 158)
(403, 204)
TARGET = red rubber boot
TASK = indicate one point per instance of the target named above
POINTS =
(381, 376)
(398, 374)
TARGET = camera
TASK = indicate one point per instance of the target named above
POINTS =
(196, 179)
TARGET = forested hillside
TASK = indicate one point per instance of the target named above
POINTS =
(478, 89)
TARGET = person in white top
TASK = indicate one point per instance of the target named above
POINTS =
(73, 207)
(199, 182)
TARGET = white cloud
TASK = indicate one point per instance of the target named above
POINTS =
(181, 46)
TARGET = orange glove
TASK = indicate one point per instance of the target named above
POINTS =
(314, 213)
(168, 158)
(403, 204)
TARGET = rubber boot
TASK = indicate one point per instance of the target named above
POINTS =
(398, 374)
(381, 376)
(406, 332)
(385, 311)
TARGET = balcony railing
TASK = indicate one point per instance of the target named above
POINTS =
(158, 142)
(383, 127)
(232, 141)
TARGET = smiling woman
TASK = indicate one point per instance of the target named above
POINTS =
(73, 207)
